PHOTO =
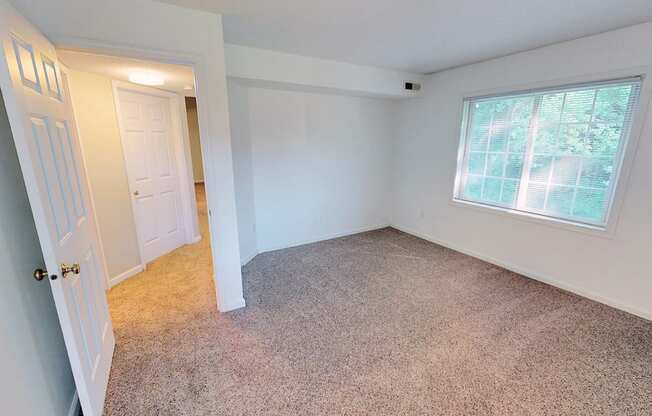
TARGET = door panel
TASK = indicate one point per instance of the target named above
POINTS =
(51, 78)
(35, 90)
(135, 145)
(169, 212)
(26, 64)
(147, 137)
(161, 141)
(46, 163)
(148, 224)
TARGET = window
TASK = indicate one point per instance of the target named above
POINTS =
(554, 152)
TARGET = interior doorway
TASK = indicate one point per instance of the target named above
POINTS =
(151, 209)
(135, 132)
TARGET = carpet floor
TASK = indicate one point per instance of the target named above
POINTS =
(379, 323)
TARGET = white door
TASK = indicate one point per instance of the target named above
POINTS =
(148, 143)
(35, 89)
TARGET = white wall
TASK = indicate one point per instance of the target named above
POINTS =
(195, 143)
(92, 97)
(304, 72)
(616, 270)
(36, 378)
(150, 30)
(243, 169)
(319, 163)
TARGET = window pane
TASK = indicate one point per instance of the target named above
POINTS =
(604, 139)
(476, 163)
(491, 190)
(495, 164)
(560, 200)
(611, 104)
(498, 139)
(514, 166)
(590, 204)
(540, 170)
(564, 145)
(473, 189)
(517, 138)
(545, 141)
(578, 106)
(550, 108)
(572, 140)
(479, 137)
(596, 173)
(522, 111)
(566, 169)
(536, 196)
(510, 190)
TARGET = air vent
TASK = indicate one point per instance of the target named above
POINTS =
(412, 86)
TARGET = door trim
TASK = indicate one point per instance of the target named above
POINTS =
(181, 142)
(227, 273)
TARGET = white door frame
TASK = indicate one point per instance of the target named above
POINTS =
(226, 258)
(181, 141)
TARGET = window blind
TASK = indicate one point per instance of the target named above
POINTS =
(553, 152)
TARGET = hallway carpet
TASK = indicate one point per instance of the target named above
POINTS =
(379, 323)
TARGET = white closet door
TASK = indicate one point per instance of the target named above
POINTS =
(147, 138)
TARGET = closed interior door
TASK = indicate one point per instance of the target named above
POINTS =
(148, 141)
(35, 89)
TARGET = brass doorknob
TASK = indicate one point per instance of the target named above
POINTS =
(69, 268)
(40, 274)
(136, 193)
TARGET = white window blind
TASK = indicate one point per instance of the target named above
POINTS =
(553, 152)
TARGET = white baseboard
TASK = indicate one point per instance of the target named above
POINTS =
(248, 258)
(73, 410)
(125, 275)
(533, 275)
(324, 238)
(231, 306)
(195, 239)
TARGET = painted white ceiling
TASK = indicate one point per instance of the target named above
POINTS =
(176, 77)
(416, 35)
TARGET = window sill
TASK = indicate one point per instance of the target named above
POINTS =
(587, 229)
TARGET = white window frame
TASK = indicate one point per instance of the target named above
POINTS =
(624, 162)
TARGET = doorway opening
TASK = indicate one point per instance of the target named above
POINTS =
(142, 152)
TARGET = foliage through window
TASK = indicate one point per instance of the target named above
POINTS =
(553, 152)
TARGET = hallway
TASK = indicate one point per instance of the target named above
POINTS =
(153, 313)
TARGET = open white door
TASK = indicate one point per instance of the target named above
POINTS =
(35, 89)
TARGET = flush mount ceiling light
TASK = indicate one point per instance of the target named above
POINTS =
(149, 78)
(187, 88)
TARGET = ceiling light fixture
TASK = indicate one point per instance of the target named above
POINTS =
(149, 78)
(187, 88)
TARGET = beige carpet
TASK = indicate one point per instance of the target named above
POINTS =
(379, 323)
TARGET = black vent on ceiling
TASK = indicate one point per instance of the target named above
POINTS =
(412, 86)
